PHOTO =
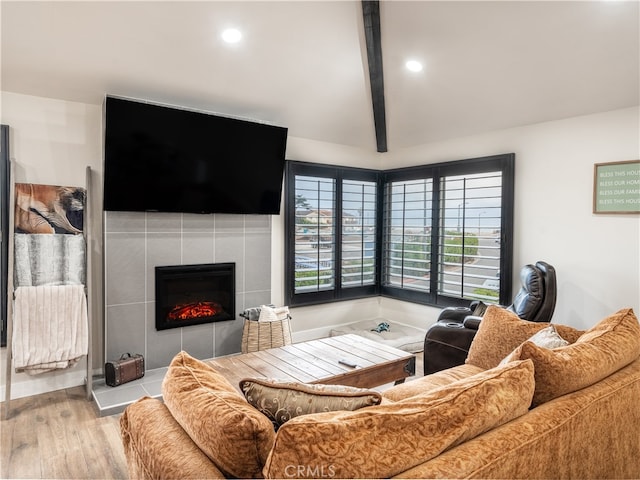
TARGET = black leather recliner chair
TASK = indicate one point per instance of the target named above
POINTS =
(447, 342)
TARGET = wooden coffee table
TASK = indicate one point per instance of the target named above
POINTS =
(318, 361)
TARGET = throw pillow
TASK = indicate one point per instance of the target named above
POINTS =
(545, 338)
(501, 331)
(386, 440)
(281, 400)
(234, 435)
(607, 347)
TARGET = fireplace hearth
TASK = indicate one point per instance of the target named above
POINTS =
(194, 294)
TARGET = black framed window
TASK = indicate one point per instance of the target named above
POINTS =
(438, 234)
(4, 227)
(470, 236)
(332, 233)
(448, 232)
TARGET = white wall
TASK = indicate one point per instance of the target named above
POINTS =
(597, 257)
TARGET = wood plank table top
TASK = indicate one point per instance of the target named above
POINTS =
(318, 361)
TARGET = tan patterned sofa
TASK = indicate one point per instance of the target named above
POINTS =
(566, 412)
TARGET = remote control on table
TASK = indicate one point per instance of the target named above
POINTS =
(348, 363)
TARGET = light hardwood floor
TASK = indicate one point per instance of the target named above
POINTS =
(58, 435)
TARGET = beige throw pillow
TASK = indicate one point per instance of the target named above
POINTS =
(386, 440)
(607, 347)
(233, 434)
(501, 331)
(281, 400)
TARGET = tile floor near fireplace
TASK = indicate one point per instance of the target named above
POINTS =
(113, 400)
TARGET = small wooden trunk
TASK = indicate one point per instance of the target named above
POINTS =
(127, 368)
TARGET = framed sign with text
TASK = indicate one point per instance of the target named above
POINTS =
(616, 187)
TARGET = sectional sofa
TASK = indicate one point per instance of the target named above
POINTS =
(515, 409)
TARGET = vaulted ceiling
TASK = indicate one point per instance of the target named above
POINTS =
(303, 64)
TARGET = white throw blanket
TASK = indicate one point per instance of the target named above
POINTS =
(50, 327)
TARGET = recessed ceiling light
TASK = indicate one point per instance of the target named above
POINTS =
(231, 35)
(414, 65)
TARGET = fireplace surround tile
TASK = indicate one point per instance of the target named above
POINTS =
(125, 222)
(125, 331)
(125, 260)
(164, 344)
(198, 340)
(255, 299)
(259, 259)
(164, 222)
(162, 249)
(110, 401)
(228, 337)
(194, 223)
(198, 247)
(229, 223)
(135, 243)
(258, 223)
(230, 248)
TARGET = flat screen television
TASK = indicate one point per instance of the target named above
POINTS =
(165, 159)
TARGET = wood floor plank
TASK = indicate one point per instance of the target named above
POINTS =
(102, 449)
(56, 430)
(57, 435)
(22, 443)
(68, 464)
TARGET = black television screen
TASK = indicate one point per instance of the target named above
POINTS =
(159, 158)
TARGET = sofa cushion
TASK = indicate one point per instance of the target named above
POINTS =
(501, 331)
(430, 382)
(281, 400)
(385, 440)
(146, 428)
(233, 434)
(605, 348)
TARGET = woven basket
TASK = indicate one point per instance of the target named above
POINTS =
(262, 335)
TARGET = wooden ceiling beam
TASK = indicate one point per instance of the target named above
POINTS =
(371, 15)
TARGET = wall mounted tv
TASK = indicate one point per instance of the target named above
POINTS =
(164, 159)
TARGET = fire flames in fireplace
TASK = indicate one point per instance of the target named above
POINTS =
(189, 311)
(194, 294)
